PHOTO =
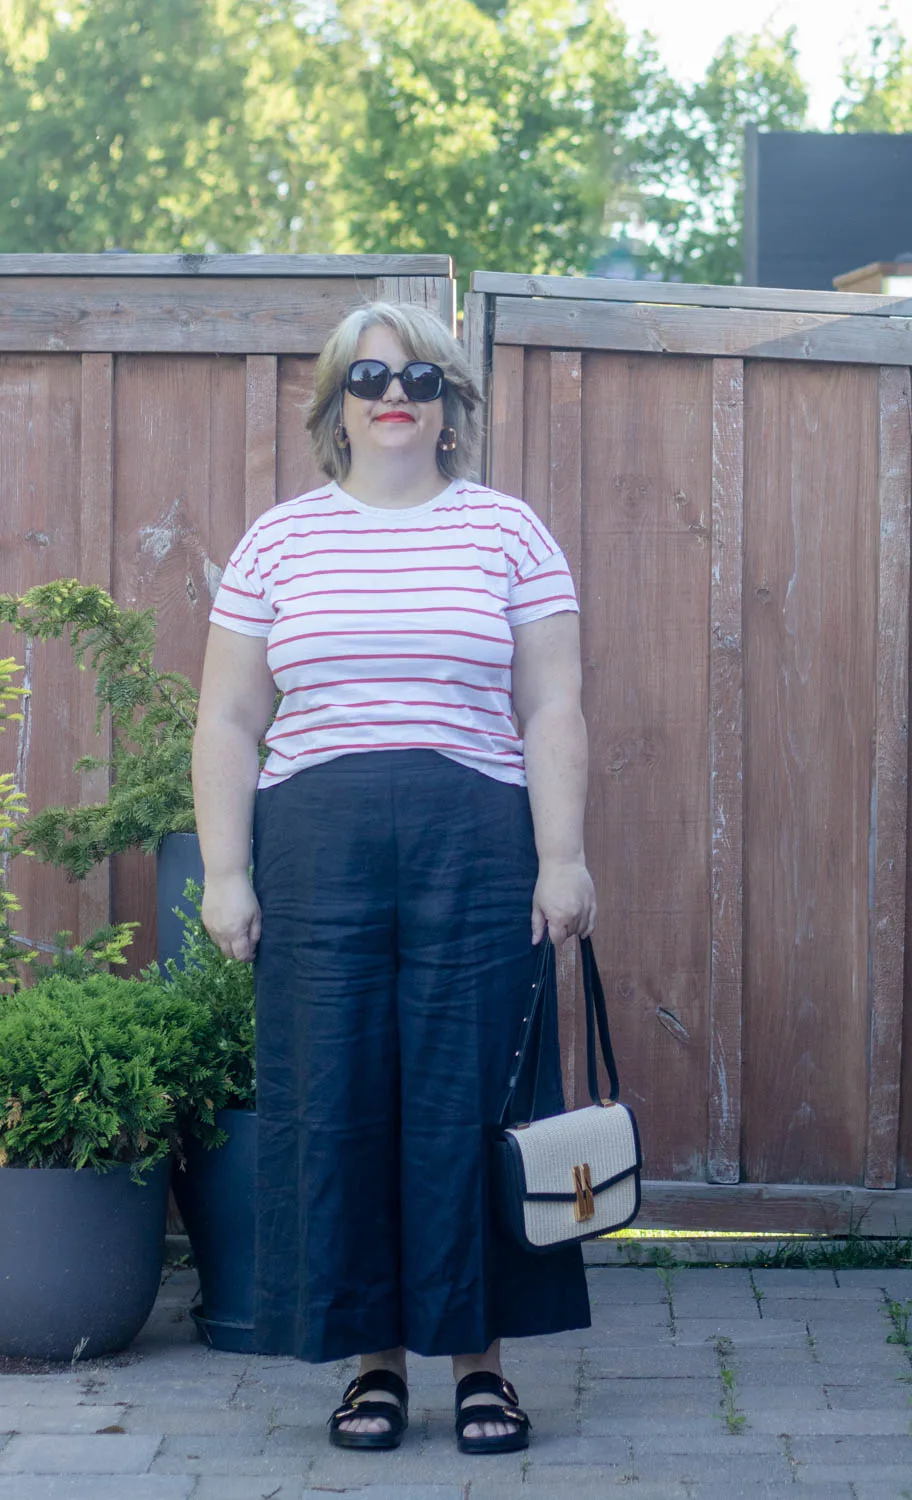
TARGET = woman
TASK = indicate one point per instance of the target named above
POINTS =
(411, 849)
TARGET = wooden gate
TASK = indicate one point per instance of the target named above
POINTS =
(151, 407)
(729, 474)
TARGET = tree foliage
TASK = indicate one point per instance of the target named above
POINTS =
(690, 153)
(877, 85)
(512, 133)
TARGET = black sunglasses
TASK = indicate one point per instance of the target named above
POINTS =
(369, 379)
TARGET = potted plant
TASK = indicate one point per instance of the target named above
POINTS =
(215, 1172)
(95, 1073)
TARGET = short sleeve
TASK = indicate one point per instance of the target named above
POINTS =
(242, 602)
(540, 581)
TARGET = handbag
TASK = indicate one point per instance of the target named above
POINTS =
(572, 1176)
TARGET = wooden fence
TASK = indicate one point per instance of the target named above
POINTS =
(729, 473)
(151, 407)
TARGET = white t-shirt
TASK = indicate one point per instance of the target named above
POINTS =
(391, 629)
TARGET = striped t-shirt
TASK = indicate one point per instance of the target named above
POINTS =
(391, 629)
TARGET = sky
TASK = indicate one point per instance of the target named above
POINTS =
(689, 33)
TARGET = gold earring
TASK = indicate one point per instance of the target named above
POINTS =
(340, 436)
(447, 440)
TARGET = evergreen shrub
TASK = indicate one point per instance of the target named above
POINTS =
(101, 1071)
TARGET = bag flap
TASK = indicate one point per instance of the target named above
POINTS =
(604, 1139)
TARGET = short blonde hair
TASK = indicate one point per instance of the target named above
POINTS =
(422, 336)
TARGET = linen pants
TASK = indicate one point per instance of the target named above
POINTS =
(392, 976)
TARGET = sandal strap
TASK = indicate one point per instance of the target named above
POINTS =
(377, 1380)
(485, 1383)
(496, 1413)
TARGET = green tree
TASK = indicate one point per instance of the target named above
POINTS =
(877, 85)
(687, 153)
(122, 124)
(494, 136)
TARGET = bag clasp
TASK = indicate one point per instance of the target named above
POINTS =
(584, 1207)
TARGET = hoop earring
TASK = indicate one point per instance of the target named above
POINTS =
(340, 436)
(447, 440)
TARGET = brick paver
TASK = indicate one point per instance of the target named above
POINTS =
(819, 1406)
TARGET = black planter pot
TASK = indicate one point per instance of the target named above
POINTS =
(178, 860)
(215, 1195)
(80, 1259)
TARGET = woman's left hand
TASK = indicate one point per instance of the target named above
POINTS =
(564, 901)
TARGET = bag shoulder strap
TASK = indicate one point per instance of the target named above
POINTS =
(596, 1025)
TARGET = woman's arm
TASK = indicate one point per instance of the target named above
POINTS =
(235, 705)
(547, 681)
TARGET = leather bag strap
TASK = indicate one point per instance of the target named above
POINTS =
(596, 1025)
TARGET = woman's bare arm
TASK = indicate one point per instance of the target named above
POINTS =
(235, 705)
(546, 700)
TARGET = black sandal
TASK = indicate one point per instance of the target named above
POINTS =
(395, 1412)
(484, 1382)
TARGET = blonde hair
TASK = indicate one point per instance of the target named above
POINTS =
(422, 336)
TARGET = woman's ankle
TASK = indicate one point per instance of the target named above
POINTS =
(384, 1359)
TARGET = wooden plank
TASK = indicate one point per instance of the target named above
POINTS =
(647, 489)
(537, 432)
(889, 801)
(260, 447)
(505, 461)
(436, 293)
(726, 687)
(702, 330)
(683, 294)
(40, 507)
(564, 520)
(96, 523)
(771, 1208)
(155, 315)
(475, 343)
(296, 467)
(179, 472)
(810, 589)
(123, 264)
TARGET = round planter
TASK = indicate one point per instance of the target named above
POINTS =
(215, 1195)
(80, 1259)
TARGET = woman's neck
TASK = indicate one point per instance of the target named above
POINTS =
(390, 487)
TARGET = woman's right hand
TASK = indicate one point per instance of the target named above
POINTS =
(231, 916)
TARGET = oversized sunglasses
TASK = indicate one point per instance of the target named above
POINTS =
(369, 379)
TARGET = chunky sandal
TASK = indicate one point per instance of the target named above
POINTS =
(394, 1412)
(484, 1382)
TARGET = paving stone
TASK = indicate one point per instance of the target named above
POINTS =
(793, 1281)
(143, 1390)
(250, 1487)
(753, 1396)
(900, 1280)
(112, 1454)
(63, 1418)
(839, 1450)
(97, 1487)
(749, 1332)
(735, 1489)
(391, 1492)
(195, 1421)
(880, 1395)
(786, 1419)
(736, 1469)
(887, 1481)
(33, 1390)
(661, 1361)
(874, 1489)
(622, 1396)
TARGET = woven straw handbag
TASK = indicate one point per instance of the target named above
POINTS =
(577, 1175)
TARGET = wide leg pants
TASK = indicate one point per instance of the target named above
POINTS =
(392, 976)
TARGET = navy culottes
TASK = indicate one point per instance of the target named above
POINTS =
(392, 974)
